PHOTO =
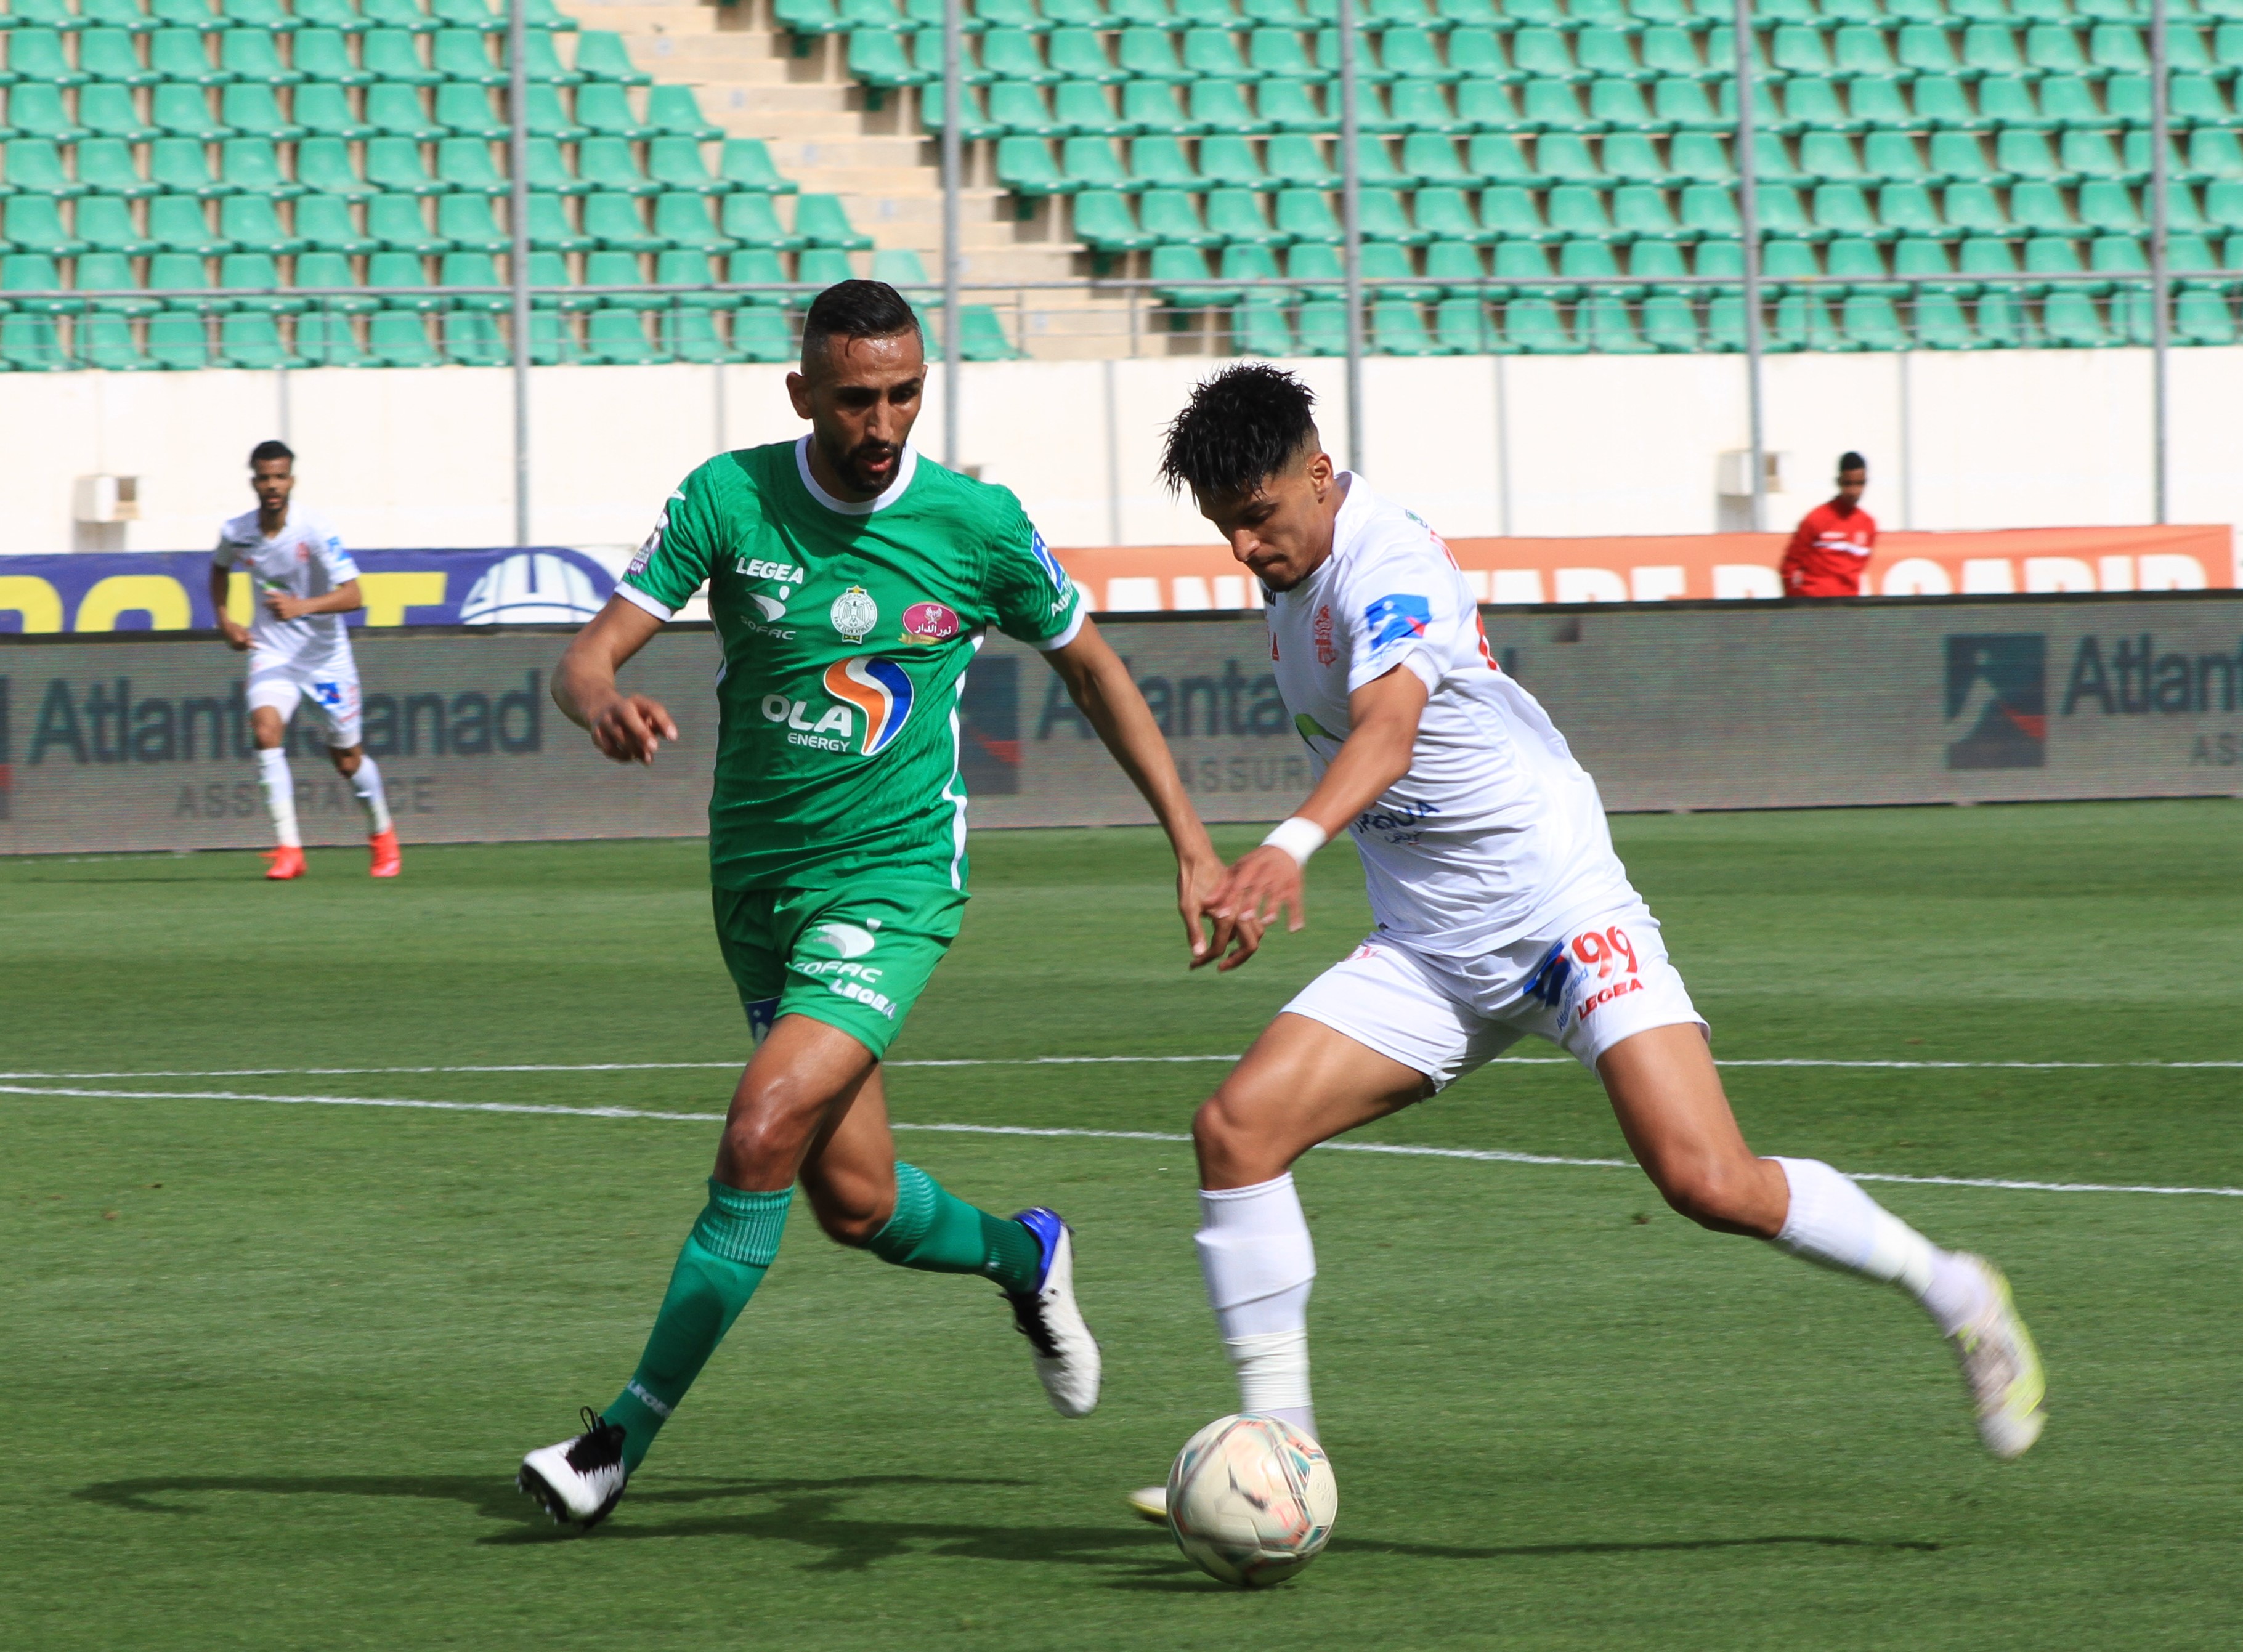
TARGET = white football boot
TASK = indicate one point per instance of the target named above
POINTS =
(1150, 1502)
(1065, 1353)
(578, 1480)
(2003, 1370)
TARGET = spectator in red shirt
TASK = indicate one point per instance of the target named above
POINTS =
(1832, 547)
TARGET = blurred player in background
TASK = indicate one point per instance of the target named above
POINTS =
(1502, 911)
(303, 582)
(1831, 549)
(851, 581)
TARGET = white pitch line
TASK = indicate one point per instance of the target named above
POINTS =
(1098, 1061)
(1478, 1154)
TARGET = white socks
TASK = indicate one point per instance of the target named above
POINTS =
(1832, 1221)
(280, 794)
(1260, 1265)
(366, 782)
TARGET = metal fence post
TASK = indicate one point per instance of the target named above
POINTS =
(1748, 221)
(954, 163)
(1351, 196)
(517, 162)
(2160, 321)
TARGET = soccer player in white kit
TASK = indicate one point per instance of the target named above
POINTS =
(1502, 910)
(304, 582)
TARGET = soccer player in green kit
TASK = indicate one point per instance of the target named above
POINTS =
(850, 579)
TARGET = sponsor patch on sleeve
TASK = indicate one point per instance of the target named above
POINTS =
(1057, 574)
(1397, 619)
(648, 548)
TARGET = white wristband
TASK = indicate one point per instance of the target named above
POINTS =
(1298, 837)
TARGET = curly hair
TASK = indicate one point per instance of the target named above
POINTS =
(1240, 427)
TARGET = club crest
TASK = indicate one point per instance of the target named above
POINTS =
(854, 613)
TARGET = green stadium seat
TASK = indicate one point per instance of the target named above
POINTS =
(1231, 163)
(2070, 321)
(1893, 158)
(1542, 54)
(1710, 210)
(1843, 209)
(753, 221)
(901, 269)
(36, 55)
(1397, 328)
(546, 118)
(1455, 266)
(34, 109)
(1299, 161)
(1795, 49)
(22, 273)
(106, 57)
(106, 14)
(2203, 318)
(2108, 206)
(2009, 105)
(1148, 54)
(612, 267)
(1701, 157)
(465, 164)
(763, 335)
(1920, 255)
(1489, 107)
(474, 270)
(1446, 214)
(1219, 107)
(397, 223)
(1580, 212)
(472, 339)
(252, 281)
(1143, 14)
(2026, 155)
(1630, 158)
(1024, 164)
(1246, 263)
(612, 218)
(1566, 159)
(1944, 103)
(1828, 157)
(1258, 327)
(1155, 106)
(2120, 48)
(1212, 54)
(252, 166)
(2069, 100)
(1237, 217)
(1553, 106)
(1608, 328)
(1860, 263)
(327, 338)
(600, 55)
(390, 56)
(754, 266)
(1532, 326)
(109, 112)
(1910, 209)
(688, 332)
(179, 272)
(184, 112)
(1979, 254)
(1991, 49)
(1785, 262)
(1478, 54)
(1593, 261)
(681, 217)
(2192, 100)
(1641, 212)
(343, 17)
(1519, 261)
(31, 343)
(325, 111)
(822, 221)
(1670, 52)
(1158, 163)
(1103, 221)
(253, 112)
(465, 110)
(1410, 53)
(1320, 328)
(408, 15)
(397, 111)
(746, 165)
(611, 164)
(397, 336)
(103, 223)
(179, 164)
(1081, 108)
(2213, 155)
(1618, 106)
(395, 164)
(1657, 260)
(1014, 107)
(821, 267)
(1682, 106)
(1276, 55)
(548, 171)
(807, 18)
(677, 163)
(1925, 49)
(251, 55)
(1509, 213)
(323, 166)
(881, 59)
(1174, 216)
(34, 223)
(605, 111)
(324, 223)
(1861, 52)
(400, 270)
(1180, 281)
(1961, 157)
(1080, 55)
(466, 222)
(178, 339)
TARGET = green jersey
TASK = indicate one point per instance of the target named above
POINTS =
(848, 629)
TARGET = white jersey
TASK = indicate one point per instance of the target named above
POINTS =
(1496, 833)
(303, 559)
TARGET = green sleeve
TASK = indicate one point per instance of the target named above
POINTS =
(1032, 598)
(675, 560)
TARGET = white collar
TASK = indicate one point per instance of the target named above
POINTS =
(886, 497)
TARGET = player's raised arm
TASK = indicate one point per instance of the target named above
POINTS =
(1103, 691)
(628, 728)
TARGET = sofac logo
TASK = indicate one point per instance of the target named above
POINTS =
(878, 688)
(929, 622)
(1997, 685)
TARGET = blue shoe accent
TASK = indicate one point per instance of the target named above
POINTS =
(1046, 1224)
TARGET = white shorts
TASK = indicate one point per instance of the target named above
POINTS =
(1584, 988)
(280, 683)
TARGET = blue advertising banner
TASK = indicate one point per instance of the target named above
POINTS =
(170, 590)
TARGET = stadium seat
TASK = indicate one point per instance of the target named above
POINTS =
(681, 217)
(325, 111)
(104, 224)
(1174, 217)
(249, 223)
(1024, 167)
(252, 281)
(1081, 108)
(1160, 162)
(397, 111)
(393, 58)
(746, 165)
(612, 219)
(178, 224)
(1231, 163)
(751, 220)
(325, 336)
(465, 111)
(34, 223)
(676, 164)
(252, 55)
(103, 14)
(465, 222)
(464, 164)
(36, 55)
(822, 221)
(1102, 220)
(34, 109)
(324, 223)
(1258, 327)
(397, 223)
(605, 111)
(611, 165)
(397, 336)
(1181, 279)
(184, 112)
(325, 61)
(106, 110)
(323, 166)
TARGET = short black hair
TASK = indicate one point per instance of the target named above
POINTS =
(856, 309)
(266, 450)
(1240, 428)
(1851, 461)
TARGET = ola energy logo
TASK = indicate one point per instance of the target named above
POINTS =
(1998, 687)
(881, 690)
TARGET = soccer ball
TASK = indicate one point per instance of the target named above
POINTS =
(1251, 1500)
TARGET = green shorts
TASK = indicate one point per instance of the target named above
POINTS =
(856, 958)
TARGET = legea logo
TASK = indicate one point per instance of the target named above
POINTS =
(1997, 689)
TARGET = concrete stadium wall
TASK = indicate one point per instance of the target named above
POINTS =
(1606, 445)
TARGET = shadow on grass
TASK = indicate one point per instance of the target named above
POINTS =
(806, 1512)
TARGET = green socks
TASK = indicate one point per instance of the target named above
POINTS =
(724, 1257)
(941, 1233)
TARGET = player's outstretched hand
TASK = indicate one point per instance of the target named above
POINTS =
(630, 728)
(1260, 884)
(1231, 943)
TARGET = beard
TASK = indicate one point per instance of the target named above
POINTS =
(857, 464)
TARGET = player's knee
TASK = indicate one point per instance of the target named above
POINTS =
(1712, 1192)
(1229, 1144)
(345, 759)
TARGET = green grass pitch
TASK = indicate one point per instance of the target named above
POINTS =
(272, 1366)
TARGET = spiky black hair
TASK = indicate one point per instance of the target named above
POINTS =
(266, 450)
(1240, 428)
(856, 309)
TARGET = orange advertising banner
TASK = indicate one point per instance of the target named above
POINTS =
(2024, 560)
